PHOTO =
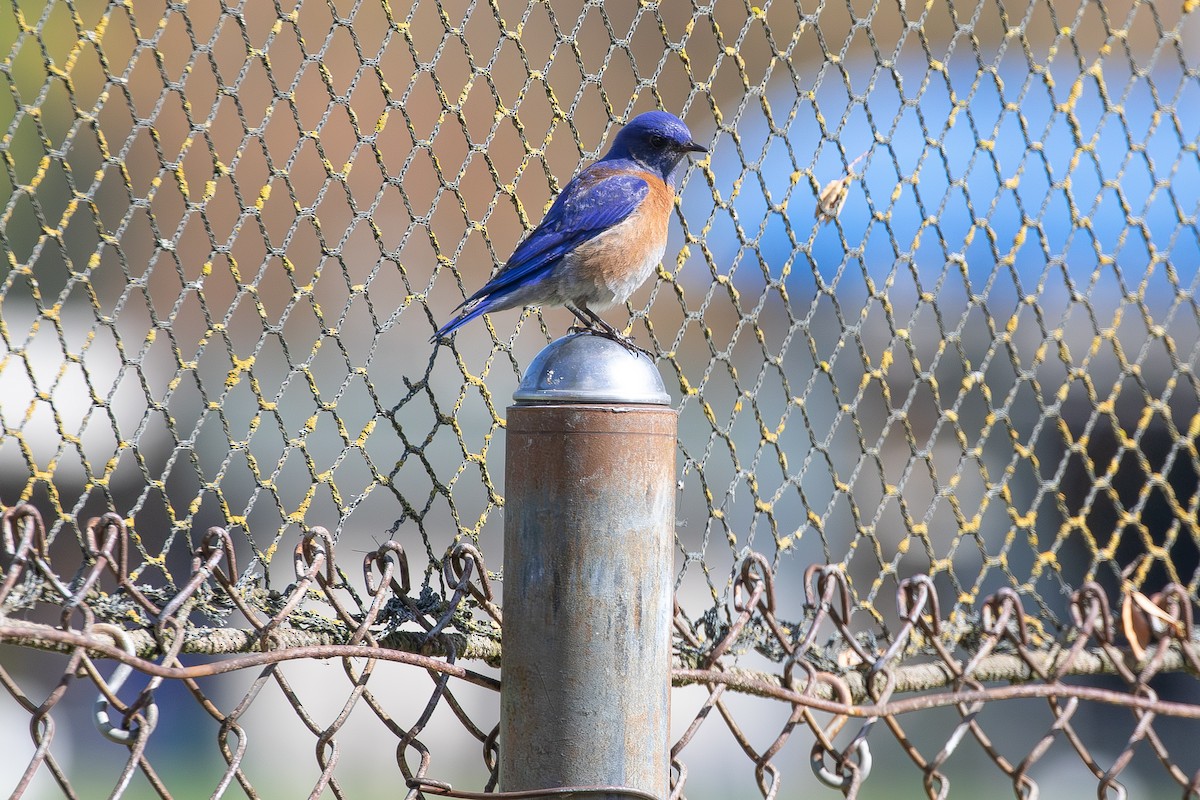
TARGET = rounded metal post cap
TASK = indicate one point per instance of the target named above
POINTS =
(589, 368)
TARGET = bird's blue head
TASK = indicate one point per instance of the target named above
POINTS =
(656, 140)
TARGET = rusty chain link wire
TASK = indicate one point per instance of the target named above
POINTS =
(928, 313)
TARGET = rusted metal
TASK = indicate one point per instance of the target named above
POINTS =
(839, 711)
(588, 535)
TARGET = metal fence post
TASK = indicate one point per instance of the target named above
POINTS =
(588, 543)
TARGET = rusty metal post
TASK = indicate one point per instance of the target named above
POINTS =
(589, 522)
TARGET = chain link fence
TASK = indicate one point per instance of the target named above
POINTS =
(928, 312)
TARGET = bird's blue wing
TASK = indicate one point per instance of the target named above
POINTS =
(598, 198)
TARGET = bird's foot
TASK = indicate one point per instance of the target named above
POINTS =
(614, 335)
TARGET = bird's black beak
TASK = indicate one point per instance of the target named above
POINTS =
(694, 147)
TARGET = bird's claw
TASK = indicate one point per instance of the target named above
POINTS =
(612, 335)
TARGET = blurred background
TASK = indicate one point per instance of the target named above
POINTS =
(230, 230)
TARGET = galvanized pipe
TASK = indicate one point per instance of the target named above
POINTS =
(588, 544)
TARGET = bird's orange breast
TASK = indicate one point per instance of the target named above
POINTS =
(643, 234)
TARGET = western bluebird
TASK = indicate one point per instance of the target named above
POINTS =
(604, 234)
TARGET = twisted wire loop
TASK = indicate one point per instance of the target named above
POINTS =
(363, 631)
(826, 686)
(861, 680)
(869, 683)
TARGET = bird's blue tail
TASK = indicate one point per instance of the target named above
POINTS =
(462, 319)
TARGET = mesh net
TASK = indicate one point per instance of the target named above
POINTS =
(966, 384)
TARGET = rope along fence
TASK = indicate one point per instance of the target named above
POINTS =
(928, 313)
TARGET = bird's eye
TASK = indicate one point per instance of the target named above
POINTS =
(658, 140)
